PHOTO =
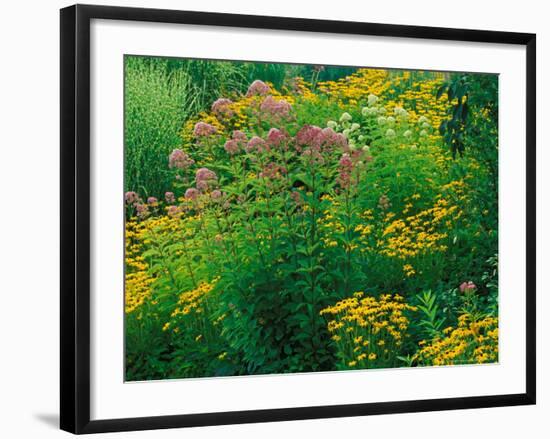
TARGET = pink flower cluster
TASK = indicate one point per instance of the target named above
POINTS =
(345, 168)
(141, 210)
(131, 197)
(467, 287)
(180, 160)
(276, 138)
(320, 138)
(191, 193)
(350, 161)
(258, 88)
(204, 174)
(222, 108)
(276, 110)
(203, 129)
(308, 135)
(239, 135)
(134, 200)
(331, 138)
(272, 171)
(216, 194)
(256, 144)
(170, 197)
(314, 141)
(204, 178)
(237, 141)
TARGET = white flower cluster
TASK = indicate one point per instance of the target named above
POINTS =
(401, 113)
(351, 130)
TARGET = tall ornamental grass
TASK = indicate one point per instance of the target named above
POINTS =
(157, 102)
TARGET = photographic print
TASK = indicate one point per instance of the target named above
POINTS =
(286, 218)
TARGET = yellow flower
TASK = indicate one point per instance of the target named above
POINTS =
(472, 341)
(373, 320)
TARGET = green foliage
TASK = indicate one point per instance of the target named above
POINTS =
(473, 119)
(431, 322)
(453, 128)
(242, 269)
(157, 101)
(211, 80)
(275, 74)
(490, 280)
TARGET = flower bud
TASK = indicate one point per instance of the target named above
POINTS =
(346, 117)
(372, 99)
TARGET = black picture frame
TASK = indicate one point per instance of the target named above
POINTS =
(75, 217)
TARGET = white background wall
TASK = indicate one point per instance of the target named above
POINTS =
(29, 200)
